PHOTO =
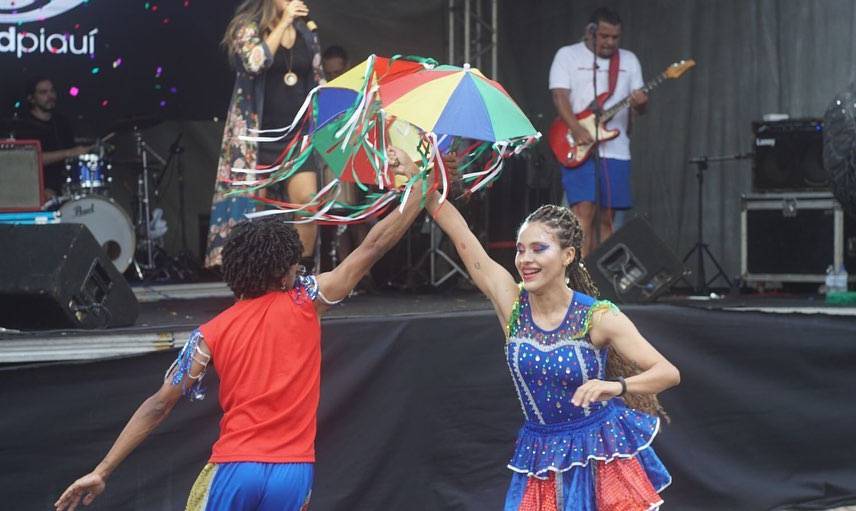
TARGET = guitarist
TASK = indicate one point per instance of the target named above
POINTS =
(572, 82)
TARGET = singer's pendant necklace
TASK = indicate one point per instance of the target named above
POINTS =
(290, 77)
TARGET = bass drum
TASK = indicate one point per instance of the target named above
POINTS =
(109, 223)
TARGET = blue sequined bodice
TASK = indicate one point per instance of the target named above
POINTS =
(548, 366)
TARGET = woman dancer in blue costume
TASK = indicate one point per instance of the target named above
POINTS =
(585, 444)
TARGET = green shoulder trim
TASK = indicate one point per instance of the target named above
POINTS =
(600, 305)
(515, 314)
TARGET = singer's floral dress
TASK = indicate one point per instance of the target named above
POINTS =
(251, 62)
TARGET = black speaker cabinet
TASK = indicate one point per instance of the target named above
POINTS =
(789, 156)
(633, 265)
(56, 276)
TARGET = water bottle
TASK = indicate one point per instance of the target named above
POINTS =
(830, 279)
(841, 279)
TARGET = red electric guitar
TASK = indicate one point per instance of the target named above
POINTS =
(562, 141)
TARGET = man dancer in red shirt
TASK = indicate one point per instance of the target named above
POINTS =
(267, 352)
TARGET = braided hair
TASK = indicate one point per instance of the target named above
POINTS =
(566, 226)
(568, 230)
(258, 254)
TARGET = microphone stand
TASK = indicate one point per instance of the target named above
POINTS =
(700, 248)
(596, 109)
(175, 152)
(180, 266)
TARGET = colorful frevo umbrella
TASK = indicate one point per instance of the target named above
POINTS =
(408, 101)
(339, 121)
(360, 83)
(460, 102)
(456, 101)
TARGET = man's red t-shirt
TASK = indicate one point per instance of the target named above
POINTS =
(267, 353)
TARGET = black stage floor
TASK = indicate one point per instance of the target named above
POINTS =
(159, 310)
(169, 313)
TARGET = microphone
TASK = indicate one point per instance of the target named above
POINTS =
(310, 23)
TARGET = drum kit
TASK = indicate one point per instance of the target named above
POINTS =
(87, 198)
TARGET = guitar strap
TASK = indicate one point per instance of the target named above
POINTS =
(614, 63)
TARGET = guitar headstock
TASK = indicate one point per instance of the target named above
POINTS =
(679, 68)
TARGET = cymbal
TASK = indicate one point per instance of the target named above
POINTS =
(135, 123)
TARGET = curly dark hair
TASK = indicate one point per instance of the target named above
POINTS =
(568, 230)
(257, 254)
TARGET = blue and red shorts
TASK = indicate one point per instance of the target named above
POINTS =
(252, 486)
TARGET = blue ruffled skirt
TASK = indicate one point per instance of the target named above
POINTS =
(574, 453)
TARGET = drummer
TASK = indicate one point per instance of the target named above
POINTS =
(52, 129)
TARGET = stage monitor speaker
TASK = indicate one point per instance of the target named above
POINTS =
(633, 265)
(56, 276)
(789, 156)
(21, 187)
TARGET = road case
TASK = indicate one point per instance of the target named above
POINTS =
(794, 237)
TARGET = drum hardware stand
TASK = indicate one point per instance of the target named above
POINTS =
(435, 253)
(412, 277)
(433, 256)
(700, 248)
(144, 205)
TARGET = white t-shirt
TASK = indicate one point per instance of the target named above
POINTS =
(572, 69)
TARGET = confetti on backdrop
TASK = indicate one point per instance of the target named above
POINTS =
(100, 71)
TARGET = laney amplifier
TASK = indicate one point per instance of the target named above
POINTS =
(789, 156)
(21, 181)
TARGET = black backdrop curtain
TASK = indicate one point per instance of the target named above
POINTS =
(419, 413)
(754, 57)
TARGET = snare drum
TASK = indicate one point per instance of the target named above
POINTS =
(87, 174)
(110, 225)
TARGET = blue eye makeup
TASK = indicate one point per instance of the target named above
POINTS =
(536, 247)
